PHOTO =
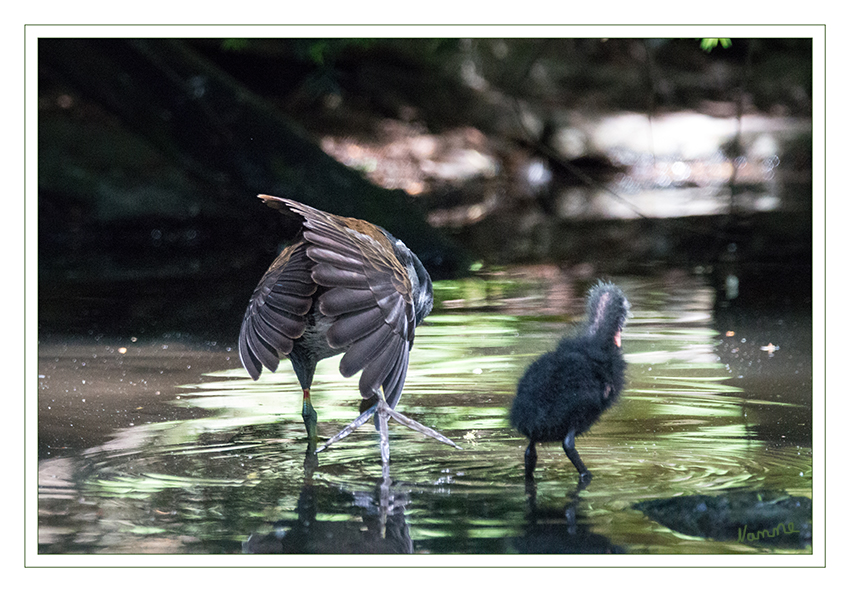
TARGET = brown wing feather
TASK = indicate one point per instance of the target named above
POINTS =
(370, 297)
(277, 312)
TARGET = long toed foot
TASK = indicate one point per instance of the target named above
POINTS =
(384, 412)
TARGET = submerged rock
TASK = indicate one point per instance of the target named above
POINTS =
(762, 518)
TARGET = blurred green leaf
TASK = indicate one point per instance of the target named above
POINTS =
(709, 43)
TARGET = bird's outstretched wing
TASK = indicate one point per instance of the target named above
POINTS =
(369, 297)
(277, 313)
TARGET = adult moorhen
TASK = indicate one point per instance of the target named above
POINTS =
(343, 286)
(566, 390)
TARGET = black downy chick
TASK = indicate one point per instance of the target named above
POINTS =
(566, 390)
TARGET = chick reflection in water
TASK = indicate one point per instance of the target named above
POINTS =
(343, 286)
(559, 530)
(565, 391)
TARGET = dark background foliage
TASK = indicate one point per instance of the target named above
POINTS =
(151, 152)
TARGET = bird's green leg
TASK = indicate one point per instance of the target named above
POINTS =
(310, 420)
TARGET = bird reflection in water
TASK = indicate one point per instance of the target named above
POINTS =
(559, 529)
(381, 529)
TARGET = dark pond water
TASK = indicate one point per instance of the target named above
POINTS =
(169, 448)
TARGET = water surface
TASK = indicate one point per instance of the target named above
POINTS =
(168, 447)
